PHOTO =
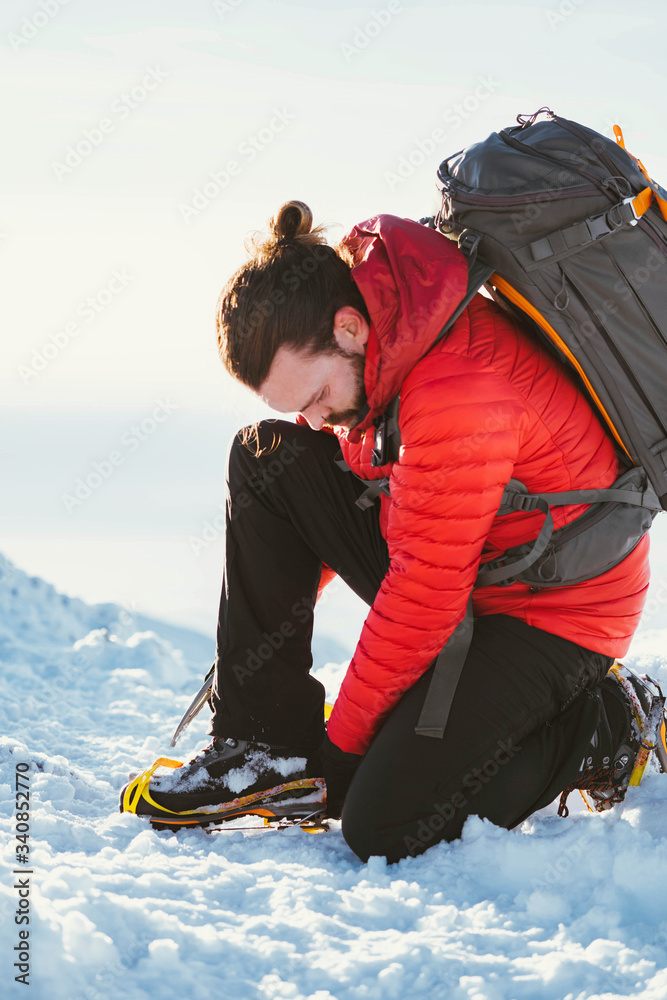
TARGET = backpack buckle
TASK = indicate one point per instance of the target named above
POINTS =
(524, 502)
(387, 438)
(469, 243)
(378, 455)
(631, 202)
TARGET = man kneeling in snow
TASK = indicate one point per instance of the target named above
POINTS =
(335, 335)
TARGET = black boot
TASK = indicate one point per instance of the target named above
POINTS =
(228, 778)
(631, 726)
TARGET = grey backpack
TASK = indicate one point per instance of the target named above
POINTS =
(571, 234)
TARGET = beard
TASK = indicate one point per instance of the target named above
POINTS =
(349, 417)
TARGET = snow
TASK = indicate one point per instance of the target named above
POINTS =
(239, 779)
(555, 910)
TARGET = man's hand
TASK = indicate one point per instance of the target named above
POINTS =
(339, 768)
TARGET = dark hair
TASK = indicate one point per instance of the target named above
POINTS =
(287, 293)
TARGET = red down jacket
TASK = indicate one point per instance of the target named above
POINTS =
(487, 404)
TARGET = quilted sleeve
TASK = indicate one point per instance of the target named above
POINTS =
(461, 424)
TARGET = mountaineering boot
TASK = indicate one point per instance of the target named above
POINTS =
(229, 778)
(631, 726)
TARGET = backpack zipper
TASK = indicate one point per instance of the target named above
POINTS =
(574, 129)
(561, 164)
(520, 199)
(582, 523)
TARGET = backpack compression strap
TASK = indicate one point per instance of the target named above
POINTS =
(447, 671)
(515, 498)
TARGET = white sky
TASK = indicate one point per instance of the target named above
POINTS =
(355, 111)
(351, 98)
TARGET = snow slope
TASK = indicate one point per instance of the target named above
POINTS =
(556, 909)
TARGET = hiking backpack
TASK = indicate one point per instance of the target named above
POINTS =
(567, 232)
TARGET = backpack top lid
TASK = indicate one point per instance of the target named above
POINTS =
(536, 162)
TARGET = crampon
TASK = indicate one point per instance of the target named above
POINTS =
(605, 784)
(299, 803)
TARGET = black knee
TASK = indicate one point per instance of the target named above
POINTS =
(368, 838)
(360, 834)
(257, 441)
(270, 448)
(261, 458)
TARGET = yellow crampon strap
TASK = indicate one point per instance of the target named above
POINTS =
(586, 802)
(641, 721)
(641, 762)
(138, 787)
(644, 197)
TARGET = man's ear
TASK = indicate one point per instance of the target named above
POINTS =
(351, 330)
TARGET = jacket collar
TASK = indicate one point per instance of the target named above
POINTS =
(412, 279)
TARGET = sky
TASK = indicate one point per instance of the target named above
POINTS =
(143, 144)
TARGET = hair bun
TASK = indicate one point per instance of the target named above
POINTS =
(293, 219)
(291, 227)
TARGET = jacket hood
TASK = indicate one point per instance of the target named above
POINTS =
(412, 279)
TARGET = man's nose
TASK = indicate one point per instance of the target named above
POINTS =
(315, 421)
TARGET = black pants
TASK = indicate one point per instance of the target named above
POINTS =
(523, 713)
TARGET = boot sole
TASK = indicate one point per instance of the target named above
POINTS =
(268, 806)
